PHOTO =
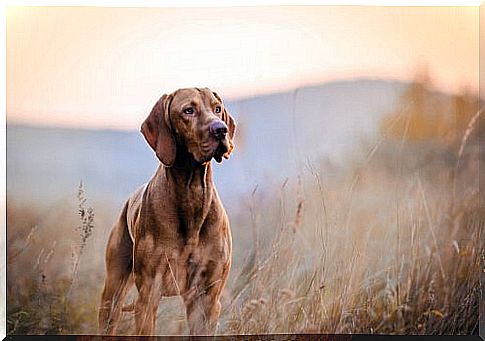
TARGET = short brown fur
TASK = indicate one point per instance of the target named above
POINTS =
(172, 236)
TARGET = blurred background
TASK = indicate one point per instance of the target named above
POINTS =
(352, 192)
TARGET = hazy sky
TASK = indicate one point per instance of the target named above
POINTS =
(106, 67)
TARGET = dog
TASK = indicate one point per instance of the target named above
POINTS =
(173, 235)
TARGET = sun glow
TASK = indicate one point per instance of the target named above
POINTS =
(105, 67)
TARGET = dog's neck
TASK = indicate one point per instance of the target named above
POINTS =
(190, 174)
(192, 185)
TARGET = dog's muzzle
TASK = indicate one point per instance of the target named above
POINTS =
(218, 130)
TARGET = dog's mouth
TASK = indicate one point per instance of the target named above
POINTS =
(221, 149)
(217, 149)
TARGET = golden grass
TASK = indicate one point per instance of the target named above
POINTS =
(388, 246)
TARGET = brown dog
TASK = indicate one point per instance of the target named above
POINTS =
(173, 237)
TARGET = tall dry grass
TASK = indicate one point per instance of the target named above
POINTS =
(392, 247)
(387, 244)
(43, 272)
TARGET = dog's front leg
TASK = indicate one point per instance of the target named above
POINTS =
(203, 305)
(146, 305)
(203, 314)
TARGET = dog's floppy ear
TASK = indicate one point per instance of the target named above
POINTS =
(157, 131)
(231, 125)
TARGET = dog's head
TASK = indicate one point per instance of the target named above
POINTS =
(190, 120)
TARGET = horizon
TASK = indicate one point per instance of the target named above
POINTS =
(68, 126)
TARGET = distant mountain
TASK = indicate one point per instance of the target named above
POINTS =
(277, 133)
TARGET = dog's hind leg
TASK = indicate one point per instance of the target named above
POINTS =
(119, 278)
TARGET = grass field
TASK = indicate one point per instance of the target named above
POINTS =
(388, 243)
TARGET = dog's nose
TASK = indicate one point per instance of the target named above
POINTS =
(218, 129)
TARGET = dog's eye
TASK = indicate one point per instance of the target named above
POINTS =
(218, 110)
(189, 111)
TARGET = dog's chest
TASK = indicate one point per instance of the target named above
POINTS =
(193, 266)
(194, 213)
